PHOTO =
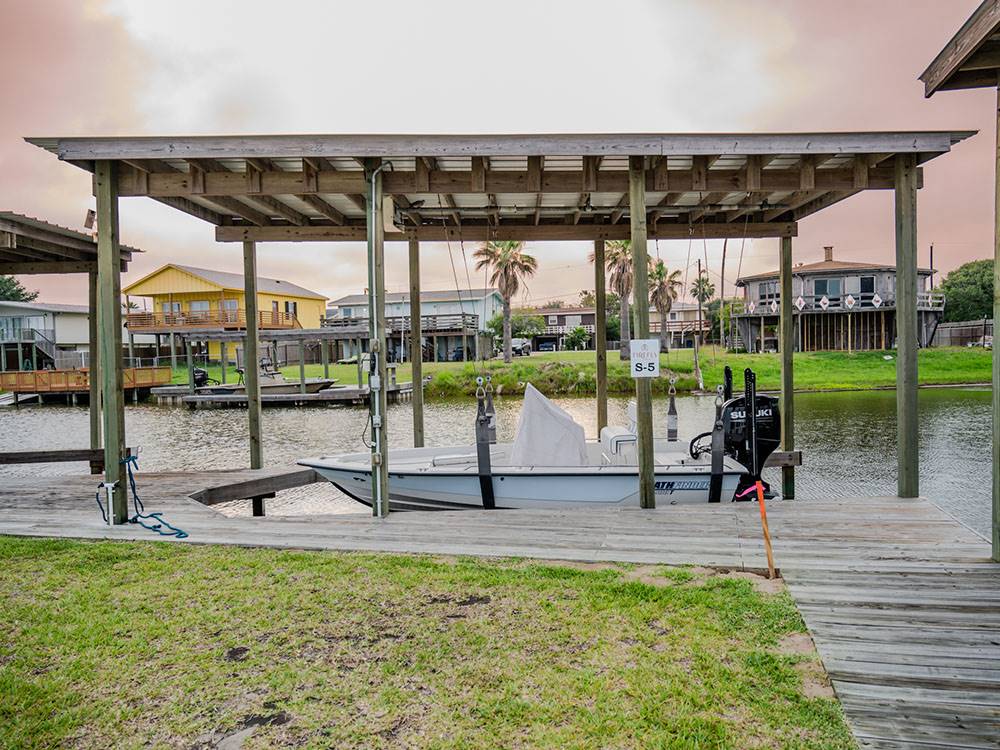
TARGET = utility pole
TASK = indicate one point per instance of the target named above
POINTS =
(697, 335)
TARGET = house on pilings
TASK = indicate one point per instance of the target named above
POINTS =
(837, 305)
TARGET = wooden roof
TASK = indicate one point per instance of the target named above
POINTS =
(524, 187)
(971, 59)
(825, 266)
(30, 246)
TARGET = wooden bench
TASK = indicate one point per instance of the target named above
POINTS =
(94, 456)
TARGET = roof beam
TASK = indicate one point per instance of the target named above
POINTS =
(269, 205)
(322, 208)
(705, 204)
(506, 231)
(353, 184)
(238, 208)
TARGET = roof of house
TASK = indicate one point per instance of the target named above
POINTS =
(228, 280)
(825, 266)
(433, 296)
(46, 307)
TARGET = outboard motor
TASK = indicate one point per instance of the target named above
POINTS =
(750, 437)
(748, 441)
(200, 377)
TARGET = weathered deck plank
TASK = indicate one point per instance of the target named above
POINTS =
(901, 599)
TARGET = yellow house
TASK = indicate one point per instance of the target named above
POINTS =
(187, 299)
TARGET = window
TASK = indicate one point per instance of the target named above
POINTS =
(572, 321)
(198, 306)
(345, 312)
(673, 316)
(867, 284)
(170, 307)
(829, 287)
(291, 308)
(768, 290)
(553, 320)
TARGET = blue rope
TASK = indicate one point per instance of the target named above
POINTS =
(158, 525)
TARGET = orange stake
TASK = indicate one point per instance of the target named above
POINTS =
(767, 533)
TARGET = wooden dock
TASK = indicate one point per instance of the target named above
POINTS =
(347, 395)
(901, 599)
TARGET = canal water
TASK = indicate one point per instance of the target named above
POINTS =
(848, 441)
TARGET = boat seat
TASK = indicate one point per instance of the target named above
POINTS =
(615, 441)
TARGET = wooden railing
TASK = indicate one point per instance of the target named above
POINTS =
(215, 319)
(468, 322)
(678, 326)
(838, 303)
(77, 381)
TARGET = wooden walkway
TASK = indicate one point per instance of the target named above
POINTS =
(901, 600)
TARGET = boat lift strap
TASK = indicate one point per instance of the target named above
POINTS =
(485, 436)
(718, 452)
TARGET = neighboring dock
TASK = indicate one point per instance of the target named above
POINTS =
(901, 599)
(180, 395)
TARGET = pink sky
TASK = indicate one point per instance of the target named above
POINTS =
(114, 67)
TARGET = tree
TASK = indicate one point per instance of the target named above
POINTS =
(509, 266)
(618, 260)
(554, 304)
(522, 325)
(612, 303)
(702, 289)
(11, 290)
(664, 288)
(577, 338)
(968, 292)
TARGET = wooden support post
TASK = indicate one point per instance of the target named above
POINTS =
(416, 348)
(601, 334)
(251, 367)
(787, 346)
(3, 357)
(907, 422)
(377, 347)
(324, 356)
(643, 386)
(223, 360)
(302, 366)
(189, 353)
(110, 310)
(996, 357)
(94, 361)
(173, 351)
(357, 360)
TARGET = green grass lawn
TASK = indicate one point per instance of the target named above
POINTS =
(561, 373)
(169, 645)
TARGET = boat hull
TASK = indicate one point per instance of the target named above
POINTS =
(525, 487)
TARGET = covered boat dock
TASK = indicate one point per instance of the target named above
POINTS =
(452, 188)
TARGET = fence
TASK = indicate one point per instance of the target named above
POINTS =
(964, 333)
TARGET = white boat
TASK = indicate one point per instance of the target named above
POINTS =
(549, 464)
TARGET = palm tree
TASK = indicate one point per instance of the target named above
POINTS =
(510, 267)
(664, 288)
(618, 261)
(703, 289)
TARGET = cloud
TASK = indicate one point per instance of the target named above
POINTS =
(453, 66)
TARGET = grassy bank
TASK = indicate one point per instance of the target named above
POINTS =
(574, 373)
(135, 645)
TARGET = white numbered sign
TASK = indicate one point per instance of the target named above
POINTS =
(645, 362)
